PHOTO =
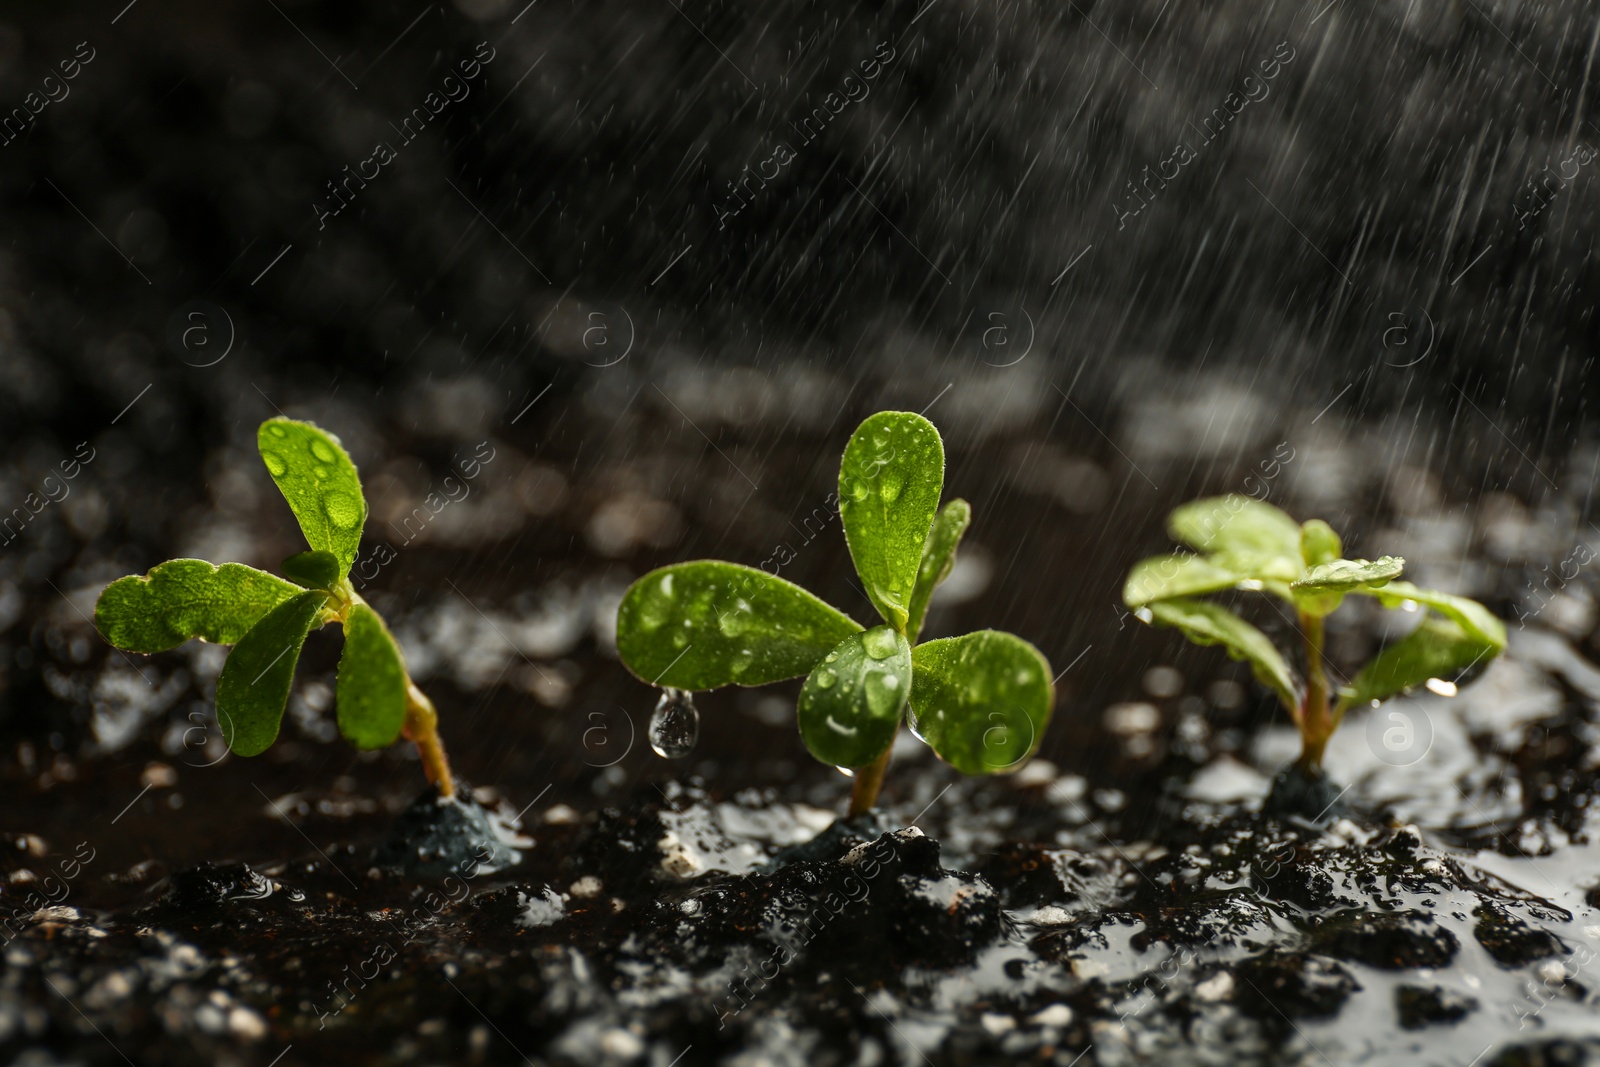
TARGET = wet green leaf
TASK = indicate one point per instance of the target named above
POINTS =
(889, 484)
(256, 678)
(706, 624)
(938, 557)
(850, 706)
(1206, 623)
(1470, 615)
(1241, 534)
(313, 569)
(1322, 588)
(981, 701)
(1347, 575)
(1440, 648)
(1163, 577)
(316, 477)
(371, 693)
(186, 598)
(1319, 543)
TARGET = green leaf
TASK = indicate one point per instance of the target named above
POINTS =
(1241, 534)
(981, 701)
(1470, 615)
(372, 681)
(186, 598)
(1323, 587)
(1438, 649)
(1347, 575)
(313, 569)
(889, 484)
(255, 681)
(1319, 543)
(850, 706)
(1163, 577)
(938, 557)
(706, 624)
(1206, 623)
(316, 477)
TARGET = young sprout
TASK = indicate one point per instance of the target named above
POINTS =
(981, 701)
(267, 619)
(1245, 544)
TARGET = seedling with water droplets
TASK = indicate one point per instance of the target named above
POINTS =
(267, 619)
(981, 701)
(1244, 544)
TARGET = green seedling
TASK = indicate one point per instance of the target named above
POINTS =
(981, 701)
(267, 619)
(1243, 544)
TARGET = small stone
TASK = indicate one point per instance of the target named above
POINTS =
(246, 1024)
(158, 775)
(1218, 987)
(1055, 1015)
(997, 1024)
(586, 888)
(621, 1043)
(560, 815)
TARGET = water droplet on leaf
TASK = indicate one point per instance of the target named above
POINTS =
(342, 509)
(879, 642)
(883, 693)
(675, 724)
(321, 451)
(825, 679)
(889, 487)
(275, 463)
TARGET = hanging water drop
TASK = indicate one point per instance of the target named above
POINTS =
(675, 724)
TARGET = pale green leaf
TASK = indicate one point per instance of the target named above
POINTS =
(371, 694)
(1241, 534)
(1348, 575)
(1472, 616)
(1319, 543)
(1163, 577)
(1206, 623)
(889, 484)
(1322, 588)
(707, 623)
(185, 598)
(938, 557)
(316, 477)
(255, 681)
(850, 706)
(1440, 648)
(981, 701)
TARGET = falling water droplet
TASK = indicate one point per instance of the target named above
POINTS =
(675, 724)
(846, 771)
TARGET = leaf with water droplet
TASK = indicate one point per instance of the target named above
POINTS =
(938, 558)
(890, 479)
(737, 625)
(850, 706)
(1439, 648)
(321, 484)
(981, 701)
(1472, 616)
(186, 598)
(255, 681)
(674, 724)
(371, 694)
